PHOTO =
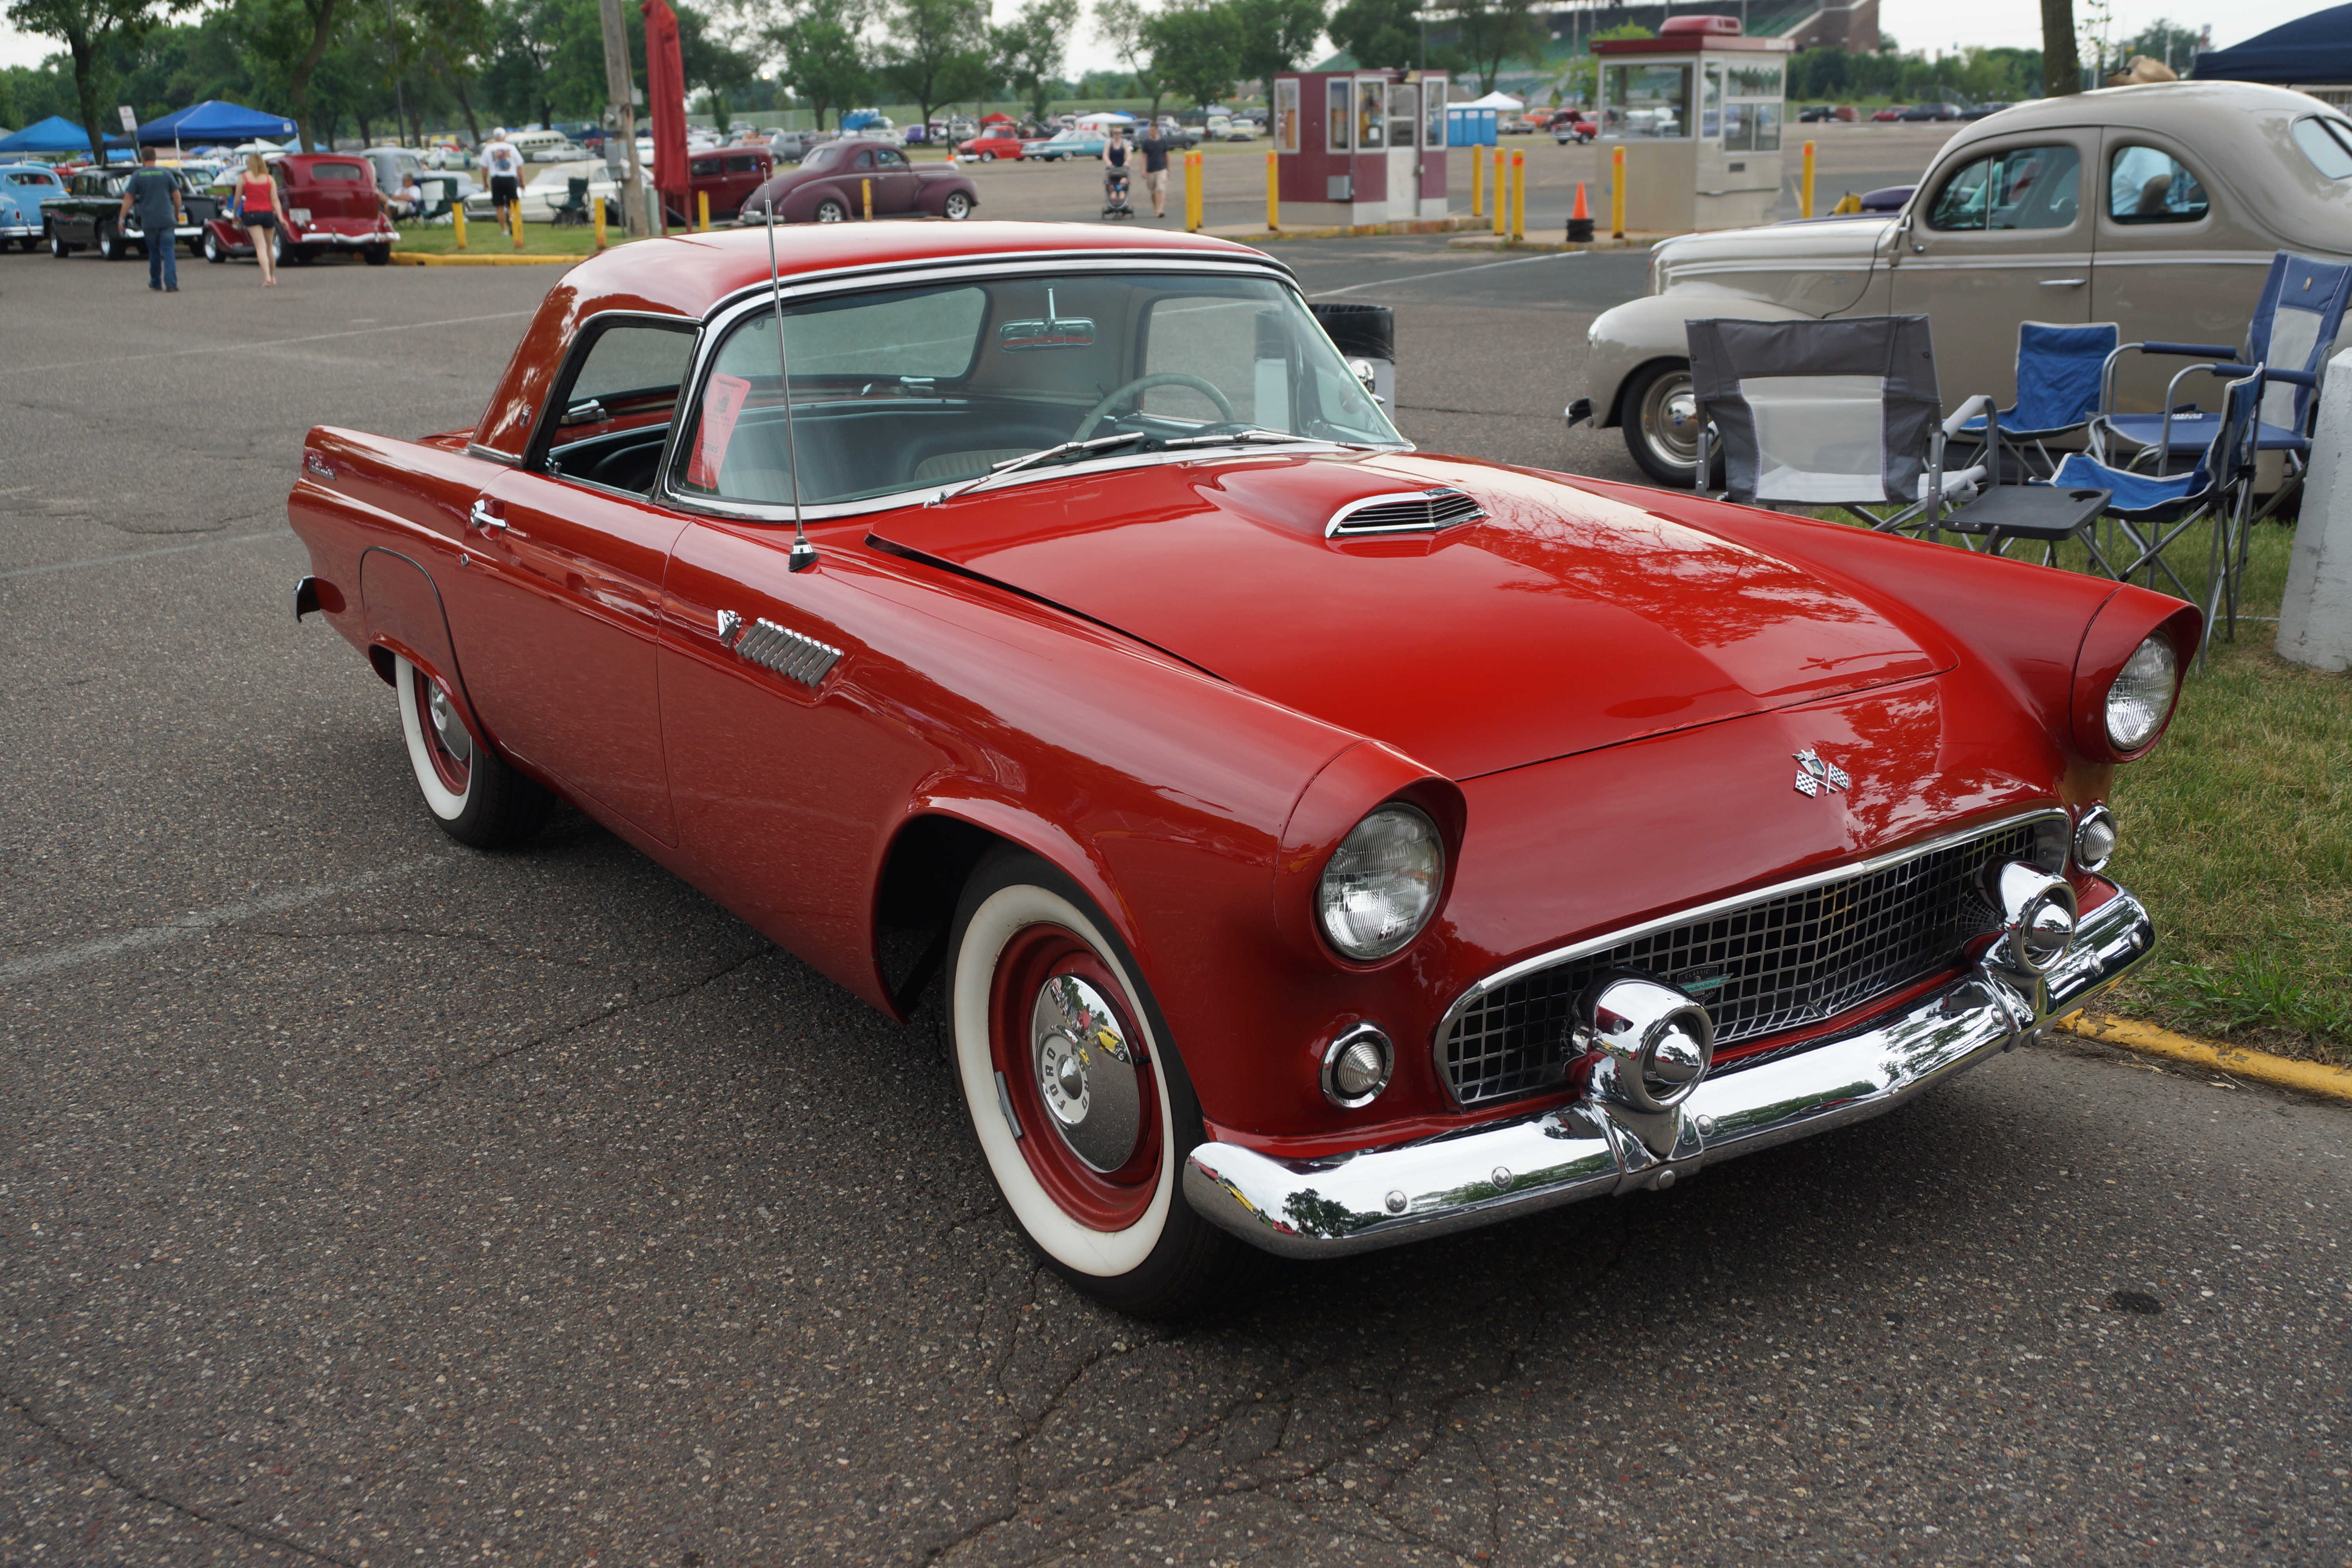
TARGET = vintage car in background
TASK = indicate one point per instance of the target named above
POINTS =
(1052, 624)
(23, 188)
(832, 183)
(330, 198)
(728, 175)
(1067, 142)
(87, 212)
(999, 143)
(1574, 128)
(2156, 207)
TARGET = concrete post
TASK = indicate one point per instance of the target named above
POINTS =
(2315, 617)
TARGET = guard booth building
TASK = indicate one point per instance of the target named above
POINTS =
(1359, 147)
(1699, 111)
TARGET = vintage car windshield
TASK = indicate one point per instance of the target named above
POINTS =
(902, 389)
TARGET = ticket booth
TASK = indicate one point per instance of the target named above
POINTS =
(1699, 110)
(1359, 147)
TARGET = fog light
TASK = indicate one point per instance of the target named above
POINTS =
(1654, 1043)
(2094, 839)
(2037, 915)
(1356, 1067)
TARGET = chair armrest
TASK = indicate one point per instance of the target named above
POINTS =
(2189, 351)
(2291, 377)
(1980, 404)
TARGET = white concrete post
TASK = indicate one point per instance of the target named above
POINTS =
(2315, 617)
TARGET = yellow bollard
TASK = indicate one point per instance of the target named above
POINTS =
(1477, 185)
(1502, 193)
(596, 207)
(868, 187)
(514, 222)
(457, 214)
(1617, 194)
(1805, 206)
(1193, 193)
(1518, 195)
(1273, 203)
(702, 211)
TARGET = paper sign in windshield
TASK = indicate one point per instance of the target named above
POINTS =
(722, 404)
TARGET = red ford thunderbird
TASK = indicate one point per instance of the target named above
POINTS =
(1318, 843)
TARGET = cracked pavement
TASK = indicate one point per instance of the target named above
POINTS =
(366, 1200)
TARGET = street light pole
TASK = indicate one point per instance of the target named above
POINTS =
(391, 40)
(620, 90)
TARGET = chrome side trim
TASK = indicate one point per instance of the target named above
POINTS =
(492, 455)
(1702, 912)
(1376, 1197)
(787, 652)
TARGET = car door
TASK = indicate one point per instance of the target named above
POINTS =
(738, 176)
(897, 184)
(558, 614)
(1998, 236)
(2177, 261)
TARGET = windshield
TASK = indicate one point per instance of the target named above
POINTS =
(902, 389)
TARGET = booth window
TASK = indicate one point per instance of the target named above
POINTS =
(1751, 119)
(1286, 115)
(1646, 100)
(1371, 115)
(1340, 116)
(1404, 109)
(1432, 104)
(2144, 185)
(2024, 187)
(1710, 101)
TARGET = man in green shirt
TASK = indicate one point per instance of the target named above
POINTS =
(153, 194)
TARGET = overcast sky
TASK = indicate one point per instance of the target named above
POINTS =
(1916, 24)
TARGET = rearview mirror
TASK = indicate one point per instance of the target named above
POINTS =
(1073, 332)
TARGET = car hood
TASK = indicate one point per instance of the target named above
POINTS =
(1563, 622)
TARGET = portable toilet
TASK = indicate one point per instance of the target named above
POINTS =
(1699, 110)
(1359, 147)
(1468, 127)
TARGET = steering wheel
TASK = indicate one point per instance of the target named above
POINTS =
(1142, 383)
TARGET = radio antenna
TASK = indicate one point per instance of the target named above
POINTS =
(803, 555)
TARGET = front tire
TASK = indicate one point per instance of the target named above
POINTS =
(58, 245)
(212, 252)
(956, 207)
(110, 243)
(1050, 1020)
(988, 157)
(471, 791)
(377, 255)
(1661, 423)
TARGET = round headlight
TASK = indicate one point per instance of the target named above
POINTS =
(1381, 885)
(2094, 839)
(2142, 694)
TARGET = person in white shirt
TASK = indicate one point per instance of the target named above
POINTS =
(504, 166)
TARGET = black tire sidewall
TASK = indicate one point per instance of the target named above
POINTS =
(1194, 1263)
(1637, 441)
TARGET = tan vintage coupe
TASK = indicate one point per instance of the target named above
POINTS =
(2155, 207)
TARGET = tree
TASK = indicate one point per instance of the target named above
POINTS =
(1490, 34)
(1275, 35)
(1196, 47)
(87, 28)
(941, 56)
(824, 64)
(2061, 65)
(1123, 24)
(2165, 40)
(1030, 48)
(1380, 33)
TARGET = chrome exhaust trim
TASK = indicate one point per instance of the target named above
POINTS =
(1371, 1198)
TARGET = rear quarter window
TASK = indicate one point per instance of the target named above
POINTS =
(2327, 144)
(337, 172)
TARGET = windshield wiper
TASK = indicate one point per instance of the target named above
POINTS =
(1252, 435)
(1043, 454)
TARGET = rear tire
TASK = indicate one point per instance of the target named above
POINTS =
(831, 211)
(212, 252)
(377, 255)
(956, 207)
(110, 243)
(57, 246)
(1095, 1179)
(471, 791)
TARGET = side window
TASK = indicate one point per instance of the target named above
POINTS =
(617, 409)
(865, 158)
(742, 166)
(2144, 185)
(702, 168)
(890, 158)
(2024, 187)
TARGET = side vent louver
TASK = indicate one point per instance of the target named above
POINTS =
(1415, 511)
(789, 654)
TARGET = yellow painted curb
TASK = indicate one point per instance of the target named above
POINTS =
(2310, 1078)
(405, 258)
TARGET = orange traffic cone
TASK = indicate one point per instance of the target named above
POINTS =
(1580, 222)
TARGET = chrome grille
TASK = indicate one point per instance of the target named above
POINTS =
(1777, 963)
(787, 652)
(1423, 513)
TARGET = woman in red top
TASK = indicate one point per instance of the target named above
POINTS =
(259, 211)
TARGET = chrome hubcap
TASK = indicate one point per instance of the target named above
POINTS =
(1086, 1072)
(1670, 421)
(446, 724)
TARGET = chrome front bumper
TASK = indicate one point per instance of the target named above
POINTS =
(1379, 1197)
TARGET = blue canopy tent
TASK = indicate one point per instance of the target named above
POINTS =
(2308, 51)
(213, 120)
(55, 135)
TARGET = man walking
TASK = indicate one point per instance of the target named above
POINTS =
(153, 196)
(1153, 145)
(504, 166)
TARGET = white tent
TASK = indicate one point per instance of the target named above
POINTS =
(1492, 100)
(1104, 119)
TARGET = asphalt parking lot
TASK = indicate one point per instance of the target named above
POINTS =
(370, 1201)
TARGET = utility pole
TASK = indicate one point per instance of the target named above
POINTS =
(391, 42)
(621, 88)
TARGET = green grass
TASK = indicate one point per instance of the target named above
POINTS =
(2237, 830)
(484, 239)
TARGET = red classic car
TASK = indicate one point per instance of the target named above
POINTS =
(1317, 844)
(831, 185)
(331, 198)
(997, 143)
(728, 175)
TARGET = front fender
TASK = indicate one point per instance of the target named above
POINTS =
(1628, 336)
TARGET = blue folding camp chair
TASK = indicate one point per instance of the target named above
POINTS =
(2293, 329)
(2061, 370)
(2154, 511)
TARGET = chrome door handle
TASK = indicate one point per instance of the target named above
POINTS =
(481, 518)
(2064, 282)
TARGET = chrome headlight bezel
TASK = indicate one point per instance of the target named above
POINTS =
(2087, 855)
(1327, 903)
(2155, 658)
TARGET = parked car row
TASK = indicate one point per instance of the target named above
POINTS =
(330, 202)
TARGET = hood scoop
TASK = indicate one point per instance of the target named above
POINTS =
(1410, 511)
